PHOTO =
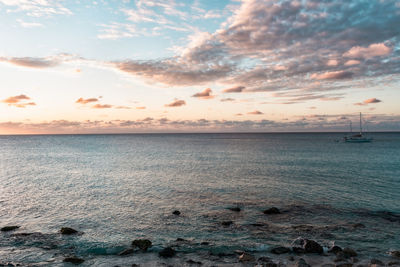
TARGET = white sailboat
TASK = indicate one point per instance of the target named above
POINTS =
(357, 138)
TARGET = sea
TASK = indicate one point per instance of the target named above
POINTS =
(114, 189)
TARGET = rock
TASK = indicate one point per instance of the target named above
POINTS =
(393, 263)
(264, 259)
(358, 225)
(298, 250)
(280, 250)
(246, 257)
(176, 212)
(142, 244)
(291, 258)
(272, 210)
(194, 262)
(237, 209)
(344, 265)
(74, 260)
(335, 249)
(226, 223)
(257, 224)
(126, 252)
(135, 265)
(180, 239)
(205, 243)
(348, 252)
(395, 253)
(68, 231)
(9, 228)
(328, 265)
(340, 256)
(167, 252)
(375, 262)
(310, 246)
(267, 262)
(302, 263)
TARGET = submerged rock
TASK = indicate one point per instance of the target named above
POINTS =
(68, 231)
(226, 223)
(126, 252)
(280, 250)
(335, 249)
(167, 252)
(74, 260)
(272, 210)
(237, 209)
(349, 252)
(205, 243)
(246, 257)
(9, 228)
(142, 244)
(180, 239)
(395, 253)
(176, 212)
(302, 263)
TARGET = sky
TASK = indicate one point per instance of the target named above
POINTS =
(127, 66)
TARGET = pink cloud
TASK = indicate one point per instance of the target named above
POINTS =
(236, 89)
(176, 103)
(373, 50)
(332, 75)
(100, 106)
(18, 101)
(85, 101)
(206, 94)
(368, 101)
(256, 112)
(352, 62)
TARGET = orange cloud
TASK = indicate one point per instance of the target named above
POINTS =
(85, 101)
(332, 75)
(18, 101)
(206, 94)
(100, 106)
(256, 112)
(374, 50)
(140, 107)
(176, 103)
(368, 101)
(227, 99)
(236, 89)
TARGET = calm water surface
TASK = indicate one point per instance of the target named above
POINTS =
(116, 188)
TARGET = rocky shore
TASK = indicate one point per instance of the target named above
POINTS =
(300, 252)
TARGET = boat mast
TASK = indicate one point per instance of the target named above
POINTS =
(360, 124)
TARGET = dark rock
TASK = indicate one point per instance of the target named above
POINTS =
(237, 209)
(246, 257)
(205, 243)
(302, 263)
(194, 262)
(328, 265)
(9, 228)
(280, 250)
(68, 231)
(376, 262)
(291, 258)
(21, 234)
(167, 252)
(257, 224)
(310, 246)
(395, 253)
(74, 260)
(126, 252)
(180, 239)
(135, 265)
(345, 264)
(272, 210)
(264, 259)
(298, 250)
(348, 252)
(176, 212)
(358, 225)
(267, 262)
(393, 263)
(335, 249)
(226, 223)
(340, 256)
(142, 244)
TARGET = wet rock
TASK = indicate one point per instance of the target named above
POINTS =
(267, 262)
(180, 239)
(310, 246)
(257, 224)
(135, 265)
(167, 252)
(291, 258)
(328, 265)
(375, 262)
(194, 262)
(395, 253)
(176, 212)
(345, 264)
(226, 223)
(237, 209)
(272, 210)
(358, 225)
(335, 249)
(142, 244)
(205, 243)
(126, 252)
(280, 250)
(68, 231)
(298, 250)
(74, 260)
(393, 263)
(9, 228)
(245, 257)
(348, 252)
(340, 256)
(302, 263)
(21, 234)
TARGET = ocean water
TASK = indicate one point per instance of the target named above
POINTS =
(117, 188)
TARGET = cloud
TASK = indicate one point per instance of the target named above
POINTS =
(256, 112)
(368, 101)
(102, 106)
(372, 50)
(352, 62)
(31, 62)
(29, 24)
(227, 99)
(122, 107)
(176, 103)
(37, 8)
(333, 75)
(85, 101)
(18, 101)
(236, 89)
(141, 107)
(205, 94)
